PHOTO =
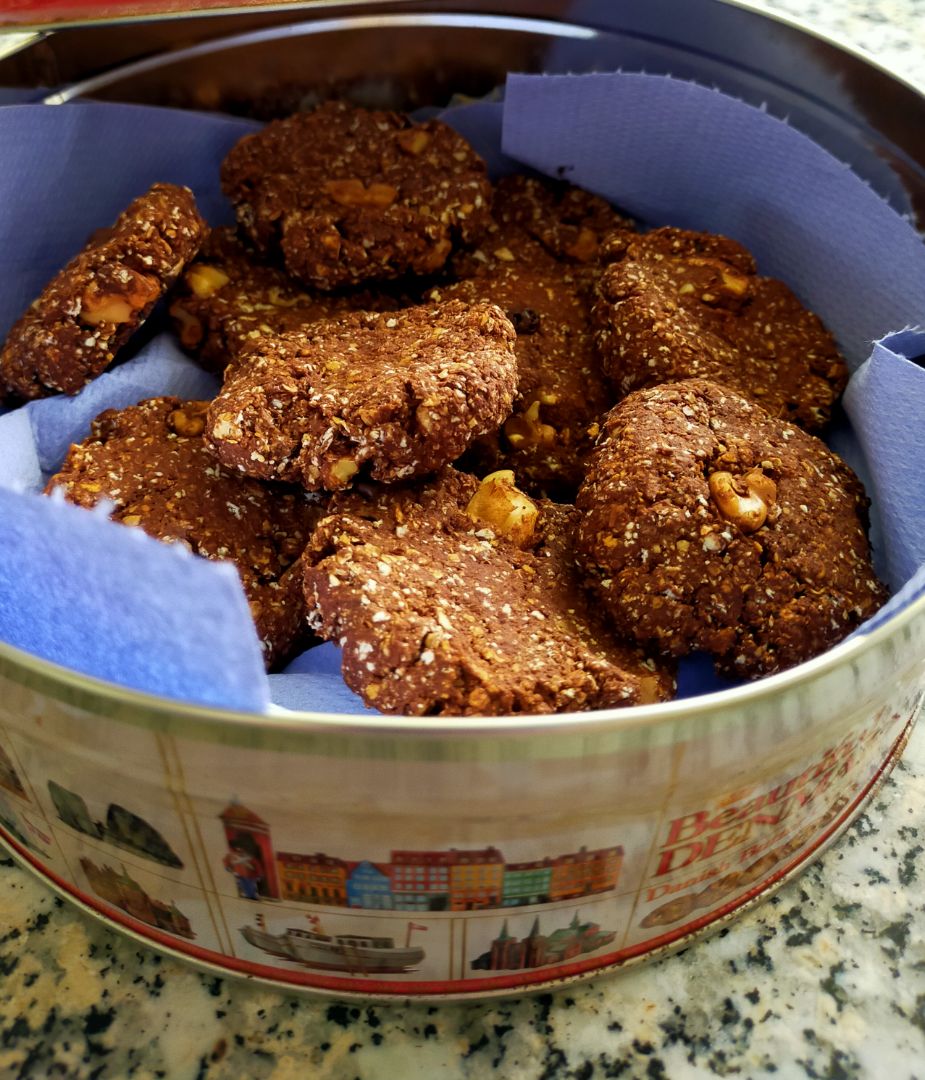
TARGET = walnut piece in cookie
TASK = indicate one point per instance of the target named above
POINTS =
(683, 305)
(228, 297)
(73, 331)
(541, 224)
(440, 613)
(151, 462)
(562, 392)
(349, 196)
(708, 524)
(399, 394)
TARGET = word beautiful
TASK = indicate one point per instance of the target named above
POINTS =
(698, 838)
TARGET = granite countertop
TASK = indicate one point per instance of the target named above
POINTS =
(825, 979)
(893, 31)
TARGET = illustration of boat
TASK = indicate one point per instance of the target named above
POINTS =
(362, 954)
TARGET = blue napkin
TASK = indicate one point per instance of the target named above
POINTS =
(56, 422)
(885, 401)
(70, 169)
(668, 151)
(313, 682)
(113, 603)
(675, 153)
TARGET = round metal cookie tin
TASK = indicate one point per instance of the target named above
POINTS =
(377, 857)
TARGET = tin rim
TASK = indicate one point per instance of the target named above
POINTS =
(511, 23)
(65, 683)
(835, 40)
(29, 33)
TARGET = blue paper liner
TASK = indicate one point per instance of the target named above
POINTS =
(124, 608)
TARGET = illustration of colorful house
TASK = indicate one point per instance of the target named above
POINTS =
(527, 883)
(476, 879)
(316, 879)
(250, 855)
(369, 887)
(421, 880)
(9, 778)
(584, 872)
(508, 953)
(122, 891)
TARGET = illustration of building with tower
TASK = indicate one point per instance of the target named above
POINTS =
(250, 855)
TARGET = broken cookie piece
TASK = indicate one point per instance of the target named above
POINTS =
(74, 330)
(150, 462)
(399, 395)
(454, 599)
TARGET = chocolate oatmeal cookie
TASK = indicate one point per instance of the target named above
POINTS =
(350, 196)
(454, 598)
(562, 393)
(541, 224)
(708, 524)
(150, 461)
(399, 394)
(681, 305)
(228, 297)
(72, 332)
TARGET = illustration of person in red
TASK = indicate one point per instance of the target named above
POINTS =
(246, 869)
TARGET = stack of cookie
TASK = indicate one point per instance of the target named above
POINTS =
(511, 453)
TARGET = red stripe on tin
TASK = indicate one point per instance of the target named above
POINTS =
(41, 12)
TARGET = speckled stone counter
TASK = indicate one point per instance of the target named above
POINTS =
(826, 979)
(893, 31)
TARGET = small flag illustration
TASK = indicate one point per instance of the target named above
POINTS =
(412, 926)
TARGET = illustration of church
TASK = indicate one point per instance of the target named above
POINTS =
(508, 953)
